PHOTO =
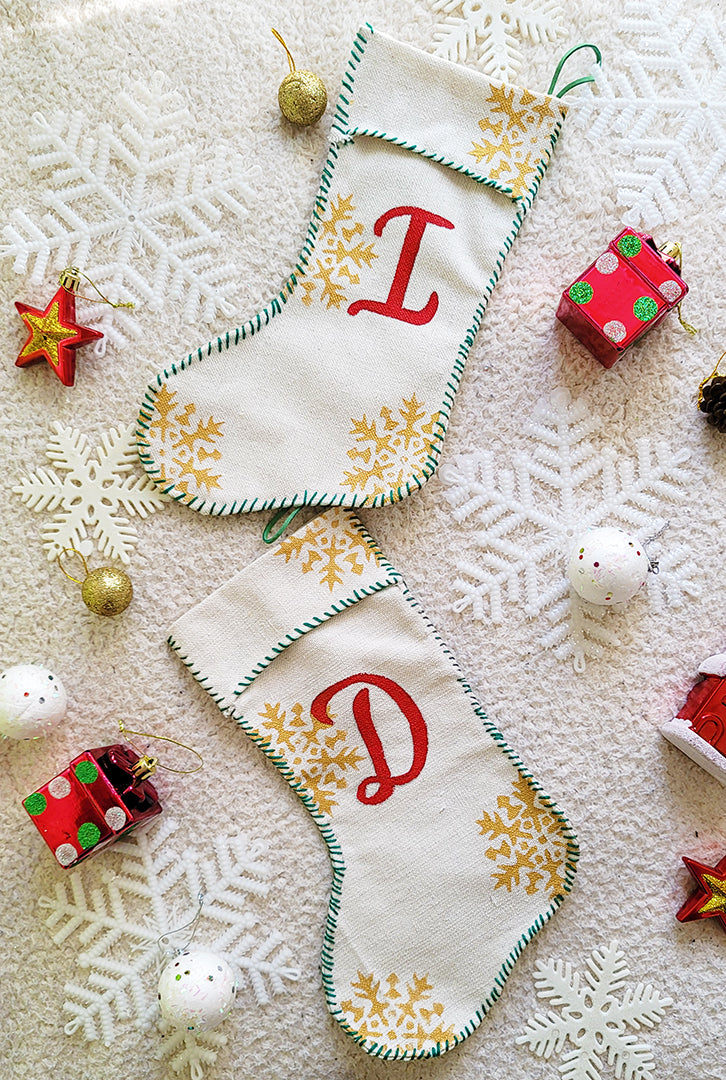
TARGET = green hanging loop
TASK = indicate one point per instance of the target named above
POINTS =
(576, 82)
(268, 535)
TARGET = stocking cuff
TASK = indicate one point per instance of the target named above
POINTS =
(323, 568)
(499, 134)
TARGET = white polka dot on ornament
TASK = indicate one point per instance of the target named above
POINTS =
(607, 565)
(197, 990)
(32, 702)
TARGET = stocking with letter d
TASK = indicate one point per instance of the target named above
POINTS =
(447, 857)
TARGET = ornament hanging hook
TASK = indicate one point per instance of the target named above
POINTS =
(674, 250)
(711, 376)
(72, 551)
(575, 82)
(70, 279)
(273, 530)
(163, 941)
(290, 60)
(163, 738)
(653, 563)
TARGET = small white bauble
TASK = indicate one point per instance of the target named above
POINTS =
(607, 565)
(197, 990)
(32, 701)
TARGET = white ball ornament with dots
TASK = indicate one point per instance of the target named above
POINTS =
(32, 702)
(607, 565)
(197, 990)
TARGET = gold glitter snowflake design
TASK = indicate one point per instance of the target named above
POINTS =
(517, 134)
(184, 447)
(532, 847)
(320, 756)
(330, 547)
(343, 254)
(410, 1018)
(392, 450)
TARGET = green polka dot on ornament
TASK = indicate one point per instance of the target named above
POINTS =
(88, 835)
(629, 245)
(86, 772)
(35, 804)
(645, 308)
(580, 292)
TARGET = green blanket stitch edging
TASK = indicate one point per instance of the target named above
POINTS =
(263, 318)
(338, 864)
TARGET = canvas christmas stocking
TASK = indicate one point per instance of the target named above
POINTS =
(339, 392)
(447, 857)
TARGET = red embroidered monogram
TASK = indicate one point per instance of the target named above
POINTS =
(393, 307)
(383, 778)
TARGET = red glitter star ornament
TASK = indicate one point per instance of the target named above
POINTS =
(54, 335)
(709, 899)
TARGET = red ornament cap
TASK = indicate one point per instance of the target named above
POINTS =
(709, 899)
(54, 335)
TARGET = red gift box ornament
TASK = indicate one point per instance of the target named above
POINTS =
(102, 795)
(625, 292)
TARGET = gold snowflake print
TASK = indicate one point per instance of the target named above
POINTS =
(330, 547)
(411, 1019)
(343, 253)
(184, 445)
(392, 450)
(532, 848)
(319, 756)
(517, 133)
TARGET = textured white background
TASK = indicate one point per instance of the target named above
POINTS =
(593, 740)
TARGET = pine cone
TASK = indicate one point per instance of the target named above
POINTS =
(713, 402)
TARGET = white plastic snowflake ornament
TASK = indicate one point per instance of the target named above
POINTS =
(120, 920)
(592, 1020)
(664, 101)
(607, 566)
(489, 28)
(137, 209)
(93, 491)
(525, 515)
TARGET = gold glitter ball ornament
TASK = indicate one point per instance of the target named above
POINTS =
(302, 95)
(107, 591)
(303, 98)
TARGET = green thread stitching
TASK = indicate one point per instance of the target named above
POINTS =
(572, 851)
(352, 132)
(320, 206)
(338, 864)
(392, 578)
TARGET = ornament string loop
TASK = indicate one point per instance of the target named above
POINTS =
(708, 377)
(70, 279)
(290, 60)
(575, 82)
(163, 738)
(163, 942)
(72, 551)
(275, 527)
